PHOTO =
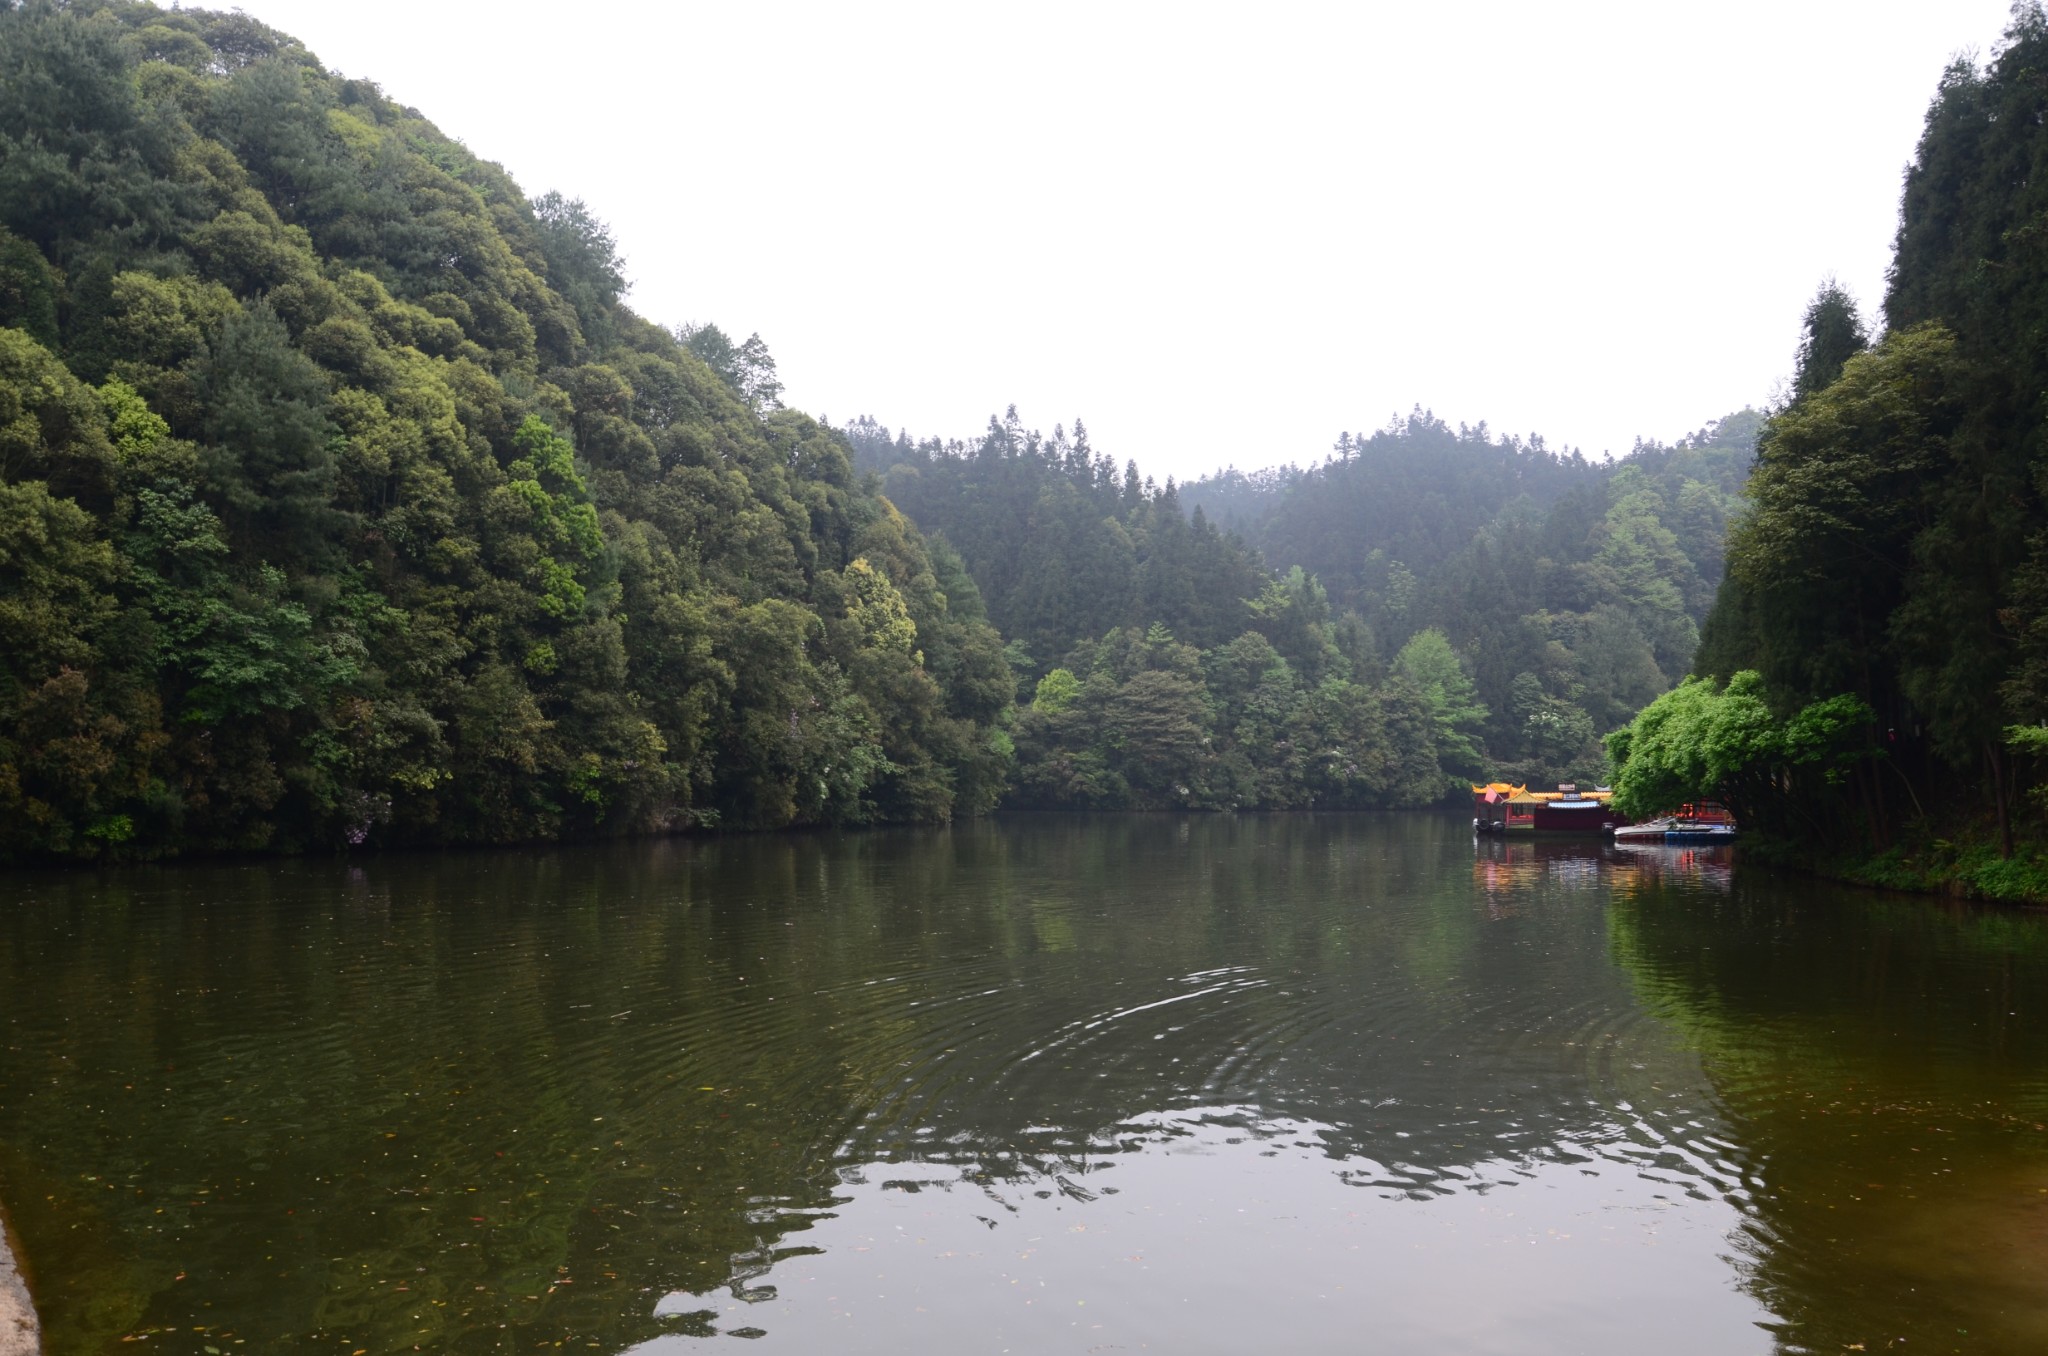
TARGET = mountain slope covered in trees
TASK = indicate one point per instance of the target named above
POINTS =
(1485, 603)
(343, 500)
(1571, 589)
(1163, 664)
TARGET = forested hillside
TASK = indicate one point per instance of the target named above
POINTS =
(1874, 676)
(1062, 543)
(1163, 665)
(1571, 589)
(1490, 603)
(342, 500)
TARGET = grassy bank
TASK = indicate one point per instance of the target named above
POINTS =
(1959, 861)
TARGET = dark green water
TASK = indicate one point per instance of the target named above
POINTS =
(1047, 1084)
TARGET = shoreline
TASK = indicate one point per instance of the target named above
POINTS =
(1965, 868)
(72, 866)
(20, 1333)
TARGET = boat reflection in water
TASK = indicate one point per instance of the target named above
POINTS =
(1504, 864)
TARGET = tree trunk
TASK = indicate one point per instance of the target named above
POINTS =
(2000, 798)
(1873, 799)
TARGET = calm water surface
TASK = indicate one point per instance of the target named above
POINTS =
(1046, 1084)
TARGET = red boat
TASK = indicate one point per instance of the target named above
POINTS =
(1500, 808)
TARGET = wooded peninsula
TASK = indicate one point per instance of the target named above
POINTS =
(345, 504)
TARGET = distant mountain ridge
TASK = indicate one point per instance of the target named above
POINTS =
(1564, 593)
(1417, 492)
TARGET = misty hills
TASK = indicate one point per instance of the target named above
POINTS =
(1570, 591)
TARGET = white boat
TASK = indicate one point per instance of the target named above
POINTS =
(1693, 832)
(1649, 831)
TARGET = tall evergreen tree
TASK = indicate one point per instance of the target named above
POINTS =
(1831, 334)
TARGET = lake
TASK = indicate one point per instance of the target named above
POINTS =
(1321, 1083)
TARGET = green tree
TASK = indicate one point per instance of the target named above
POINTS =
(28, 289)
(1429, 663)
(1702, 741)
(266, 445)
(1831, 334)
(51, 426)
(56, 581)
(583, 263)
(1154, 726)
(1056, 691)
(746, 367)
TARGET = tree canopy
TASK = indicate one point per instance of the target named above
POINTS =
(343, 500)
(347, 502)
(1888, 565)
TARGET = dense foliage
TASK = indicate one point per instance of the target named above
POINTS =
(342, 499)
(1894, 553)
(1486, 605)
(1571, 590)
(1062, 544)
(1701, 737)
(1166, 666)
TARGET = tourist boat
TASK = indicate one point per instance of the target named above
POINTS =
(1704, 822)
(1692, 824)
(1490, 812)
(1498, 807)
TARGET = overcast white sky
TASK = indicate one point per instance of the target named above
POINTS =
(1217, 234)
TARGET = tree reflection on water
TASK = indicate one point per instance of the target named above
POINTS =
(648, 1093)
